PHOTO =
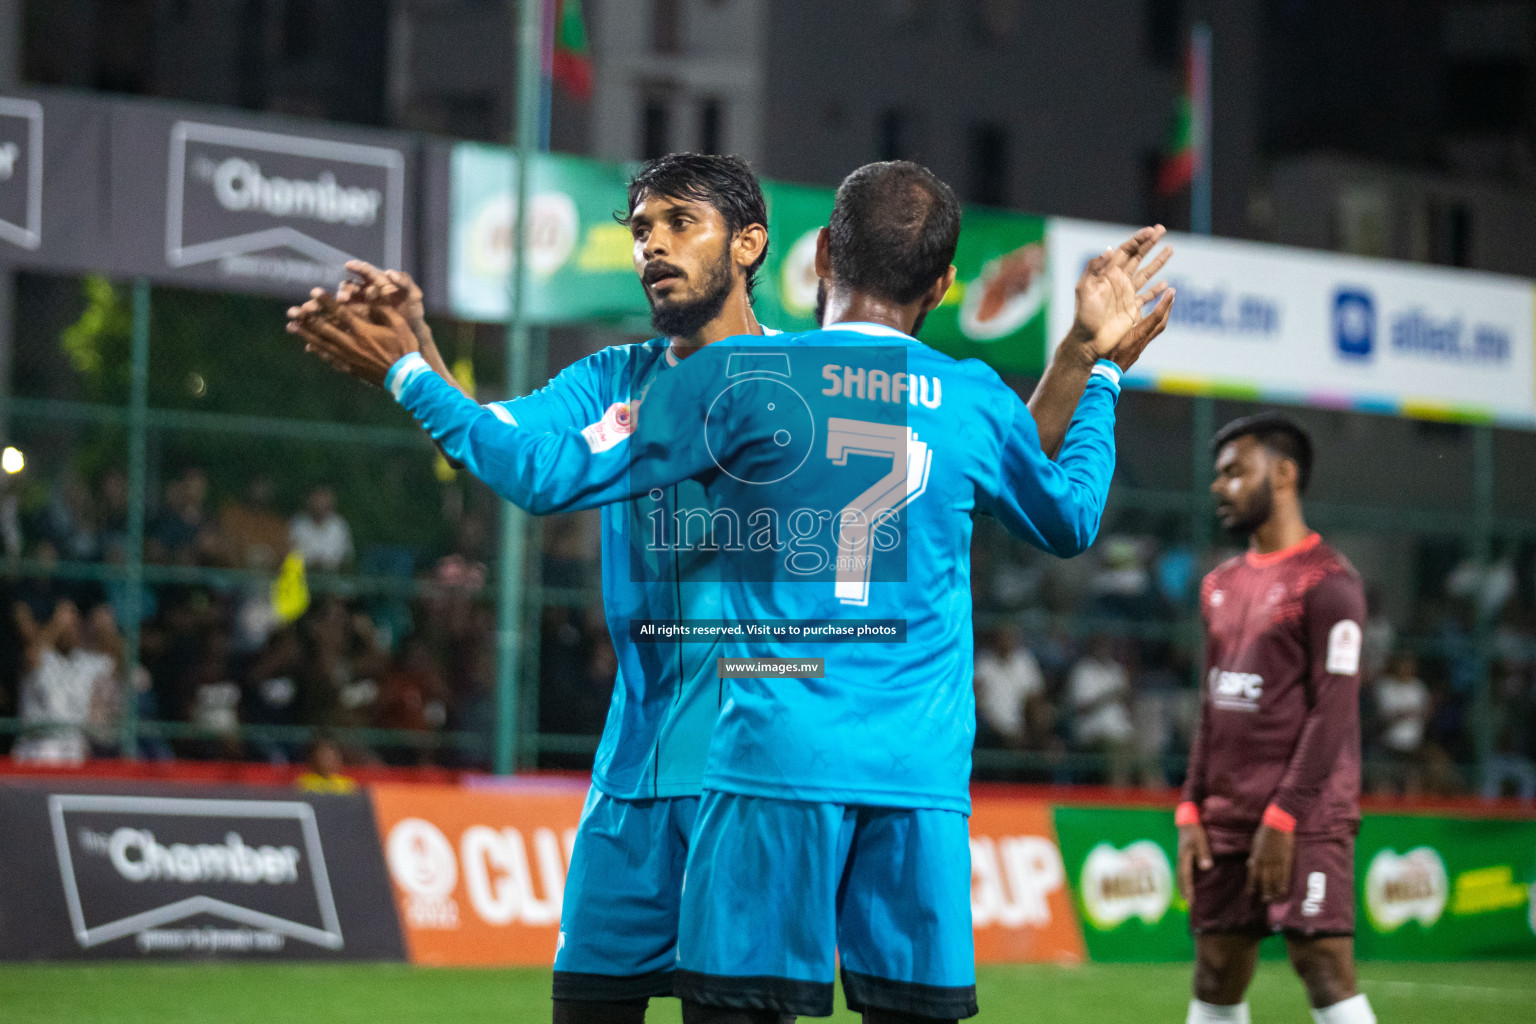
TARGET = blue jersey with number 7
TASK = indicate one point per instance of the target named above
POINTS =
(840, 469)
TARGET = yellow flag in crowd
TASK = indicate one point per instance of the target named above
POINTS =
(290, 591)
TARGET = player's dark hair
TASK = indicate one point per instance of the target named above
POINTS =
(1276, 432)
(726, 183)
(893, 231)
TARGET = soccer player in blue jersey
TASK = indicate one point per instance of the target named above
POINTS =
(699, 225)
(834, 808)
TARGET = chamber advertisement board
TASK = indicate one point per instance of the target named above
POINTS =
(163, 872)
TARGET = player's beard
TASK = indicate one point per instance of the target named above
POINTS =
(687, 318)
(821, 308)
(1255, 513)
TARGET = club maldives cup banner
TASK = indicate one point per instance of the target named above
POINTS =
(580, 260)
(478, 876)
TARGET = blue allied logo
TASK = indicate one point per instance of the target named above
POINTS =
(1354, 323)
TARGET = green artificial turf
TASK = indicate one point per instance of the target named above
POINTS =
(1475, 993)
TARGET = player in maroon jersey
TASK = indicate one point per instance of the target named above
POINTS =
(1272, 802)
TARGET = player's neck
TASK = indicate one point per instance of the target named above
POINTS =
(849, 307)
(1284, 529)
(736, 318)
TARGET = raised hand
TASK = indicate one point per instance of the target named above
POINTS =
(393, 288)
(1112, 295)
(363, 344)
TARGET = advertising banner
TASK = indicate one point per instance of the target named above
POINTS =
(478, 876)
(53, 181)
(252, 205)
(581, 262)
(1120, 865)
(1021, 906)
(168, 872)
(1442, 889)
(1259, 321)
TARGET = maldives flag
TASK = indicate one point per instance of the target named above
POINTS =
(1178, 166)
(572, 65)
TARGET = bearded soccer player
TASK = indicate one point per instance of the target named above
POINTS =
(1272, 801)
(835, 805)
(699, 225)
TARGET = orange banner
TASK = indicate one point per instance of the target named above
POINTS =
(478, 875)
(1020, 905)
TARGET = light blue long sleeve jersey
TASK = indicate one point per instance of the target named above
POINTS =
(842, 468)
(666, 696)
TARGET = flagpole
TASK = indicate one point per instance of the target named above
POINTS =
(529, 15)
(1200, 110)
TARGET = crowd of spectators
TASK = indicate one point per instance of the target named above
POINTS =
(1086, 670)
(224, 654)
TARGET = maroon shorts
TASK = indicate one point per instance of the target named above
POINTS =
(1321, 900)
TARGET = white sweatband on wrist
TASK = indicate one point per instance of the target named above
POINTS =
(1108, 370)
(406, 369)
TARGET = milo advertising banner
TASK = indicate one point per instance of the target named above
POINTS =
(1120, 865)
(995, 311)
(579, 264)
(1445, 889)
(581, 267)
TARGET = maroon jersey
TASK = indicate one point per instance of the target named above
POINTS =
(1280, 712)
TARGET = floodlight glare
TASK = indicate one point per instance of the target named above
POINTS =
(12, 461)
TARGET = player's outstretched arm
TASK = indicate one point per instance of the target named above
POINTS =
(1056, 505)
(572, 399)
(1108, 324)
(541, 471)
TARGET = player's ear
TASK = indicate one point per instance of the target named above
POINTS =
(1286, 473)
(749, 244)
(940, 289)
(823, 254)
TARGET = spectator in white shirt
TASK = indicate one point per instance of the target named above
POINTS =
(319, 533)
(1008, 681)
(1403, 707)
(1099, 691)
(64, 683)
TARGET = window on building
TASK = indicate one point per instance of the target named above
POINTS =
(711, 126)
(655, 128)
(667, 26)
(892, 135)
(987, 147)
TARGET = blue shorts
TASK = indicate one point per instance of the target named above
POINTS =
(618, 923)
(777, 889)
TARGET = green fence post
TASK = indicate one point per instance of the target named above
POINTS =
(1484, 622)
(529, 18)
(138, 417)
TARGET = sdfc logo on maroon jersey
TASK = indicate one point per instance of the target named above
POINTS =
(1236, 691)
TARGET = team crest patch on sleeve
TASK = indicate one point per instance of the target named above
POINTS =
(1344, 642)
(615, 426)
